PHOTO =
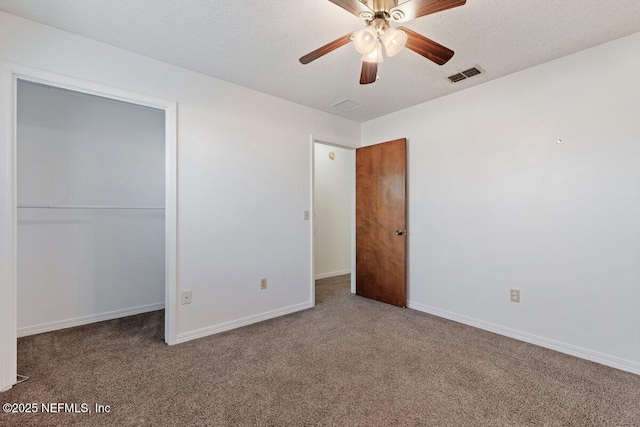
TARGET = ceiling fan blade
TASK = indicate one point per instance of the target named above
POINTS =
(369, 72)
(417, 8)
(428, 48)
(329, 47)
(353, 6)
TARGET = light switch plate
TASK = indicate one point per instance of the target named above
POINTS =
(186, 297)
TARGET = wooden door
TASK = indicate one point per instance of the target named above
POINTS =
(381, 222)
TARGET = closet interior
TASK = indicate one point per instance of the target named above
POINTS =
(91, 198)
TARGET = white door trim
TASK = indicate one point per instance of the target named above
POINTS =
(348, 146)
(9, 76)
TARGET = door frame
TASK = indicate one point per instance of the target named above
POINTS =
(9, 76)
(348, 146)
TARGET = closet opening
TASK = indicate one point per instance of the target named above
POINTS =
(88, 208)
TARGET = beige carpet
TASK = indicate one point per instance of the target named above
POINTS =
(348, 362)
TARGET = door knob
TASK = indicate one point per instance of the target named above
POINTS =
(401, 232)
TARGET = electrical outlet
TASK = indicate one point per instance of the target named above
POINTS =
(515, 295)
(186, 297)
(306, 215)
(263, 283)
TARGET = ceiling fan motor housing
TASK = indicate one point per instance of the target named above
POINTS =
(380, 21)
(382, 7)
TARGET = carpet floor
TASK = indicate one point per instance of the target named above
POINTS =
(347, 362)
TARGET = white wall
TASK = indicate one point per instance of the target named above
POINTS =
(333, 195)
(76, 266)
(244, 171)
(495, 203)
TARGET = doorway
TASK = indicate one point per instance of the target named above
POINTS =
(11, 78)
(333, 212)
(378, 213)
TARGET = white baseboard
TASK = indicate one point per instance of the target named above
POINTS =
(85, 320)
(333, 274)
(583, 353)
(226, 326)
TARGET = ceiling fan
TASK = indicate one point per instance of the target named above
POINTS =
(378, 32)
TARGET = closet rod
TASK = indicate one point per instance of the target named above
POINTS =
(87, 207)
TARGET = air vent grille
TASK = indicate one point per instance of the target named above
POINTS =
(465, 74)
(347, 105)
(471, 72)
(457, 77)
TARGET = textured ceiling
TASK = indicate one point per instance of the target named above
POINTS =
(257, 44)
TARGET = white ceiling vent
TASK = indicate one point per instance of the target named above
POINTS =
(347, 105)
(466, 74)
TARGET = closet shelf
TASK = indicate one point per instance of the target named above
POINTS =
(86, 207)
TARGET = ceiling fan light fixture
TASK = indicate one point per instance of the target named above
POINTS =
(393, 40)
(366, 41)
(378, 16)
(375, 55)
